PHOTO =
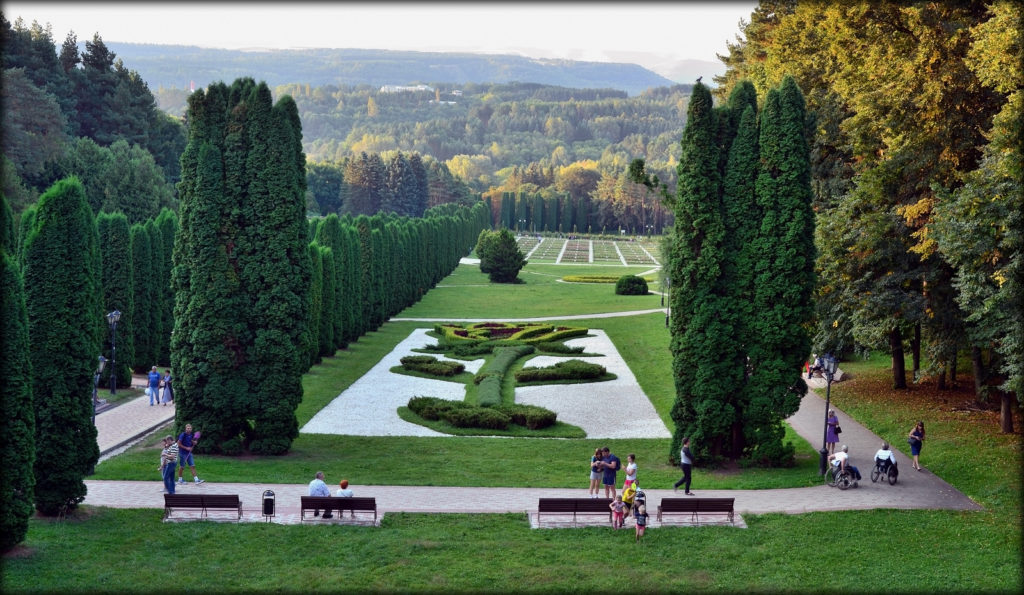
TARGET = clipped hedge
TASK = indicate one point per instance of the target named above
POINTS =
(530, 416)
(489, 393)
(504, 357)
(556, 347)
(631, 285)
(433, 408)
(573, 369)
(431, 365)
(597, 279)
(477, 417)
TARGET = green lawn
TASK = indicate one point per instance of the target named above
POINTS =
(884, 550)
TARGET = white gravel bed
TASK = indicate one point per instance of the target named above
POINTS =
(614, 409)
(370, 406)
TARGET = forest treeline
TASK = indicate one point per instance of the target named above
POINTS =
(67, 112)
(916, 120)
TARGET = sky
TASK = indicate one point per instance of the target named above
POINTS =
(656, 35)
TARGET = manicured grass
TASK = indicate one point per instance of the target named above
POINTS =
(541, 294)
(879, 551)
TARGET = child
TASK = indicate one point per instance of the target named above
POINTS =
(618, 508)
(641, 521)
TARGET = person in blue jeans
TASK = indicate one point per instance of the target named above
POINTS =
(154, 386)
(168, 461)
(611, 465)
(185, 446)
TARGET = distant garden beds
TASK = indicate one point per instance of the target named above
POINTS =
(490, 408)
(598, 278)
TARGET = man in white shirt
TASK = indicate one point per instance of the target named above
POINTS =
(843, 460)
(884, 457)
(317, 487)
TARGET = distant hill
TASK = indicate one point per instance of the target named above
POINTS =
(177, 65)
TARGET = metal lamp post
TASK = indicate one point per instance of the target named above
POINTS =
(112, 319)
(830, 364)
(96, 386)
(668, 292)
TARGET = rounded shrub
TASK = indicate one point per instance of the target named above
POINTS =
(529, 416)
(631, 285)
(477, 417)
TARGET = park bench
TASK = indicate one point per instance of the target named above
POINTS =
(202, 502)
(574, 506)
(695, 507)
(326, 503)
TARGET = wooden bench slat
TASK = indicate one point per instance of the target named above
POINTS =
(203, 502)
(696, 507)
(575, 506)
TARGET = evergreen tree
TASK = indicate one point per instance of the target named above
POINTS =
(167, 224)
(316, 306)
(161, 324)
(242, 270)
(784, 275)
(143, 290)
(742, 218)
(328, 290)
(421, 190)
(337, 312)
(701, 410)
(117, 281)
(17, 441)
(65, 318)
(501, 257)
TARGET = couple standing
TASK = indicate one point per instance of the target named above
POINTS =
(603, 468)
(159, 389)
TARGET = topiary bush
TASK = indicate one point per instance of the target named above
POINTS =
(529, 416)
(431, 365)
(556, 347)
(573, 369)
(489, 393)
(631, 285)
(477, 417)
(433, 408)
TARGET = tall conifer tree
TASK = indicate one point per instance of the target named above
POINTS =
(17, 441)
(784, 273)
(241, 270)
(117, 281)
(65, 318)
(701, 410)
(143, 289)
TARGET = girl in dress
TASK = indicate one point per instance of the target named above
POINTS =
(830, 433)
(916, 438)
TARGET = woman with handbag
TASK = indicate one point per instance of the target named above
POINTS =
(832, 431)
(915, 439)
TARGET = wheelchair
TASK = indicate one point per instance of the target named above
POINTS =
(841, 479)
(886, 470)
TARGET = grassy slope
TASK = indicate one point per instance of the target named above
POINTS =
(920, 551)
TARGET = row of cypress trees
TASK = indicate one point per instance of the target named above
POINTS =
(260, 293)
(742, 273)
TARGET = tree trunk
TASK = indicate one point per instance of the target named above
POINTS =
(915, 349)
(978, 368)
(942, 379)
(952, 371)
(1006, 413)
(899, 372)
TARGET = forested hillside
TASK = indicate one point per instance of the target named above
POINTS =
(85, 114)
(177, 65)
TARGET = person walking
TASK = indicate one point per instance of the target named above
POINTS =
(641, 521)
(317, 487)
(832, 431)
(686, 464)
(167, 394)
(186, 442)
(168, 461)
(618, 508)
(153, 390)
(916, 438)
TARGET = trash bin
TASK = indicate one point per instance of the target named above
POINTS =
(268, 504)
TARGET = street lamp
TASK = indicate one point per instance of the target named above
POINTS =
(112, 319)
(668, 292)
(829, 364)
(96, 386)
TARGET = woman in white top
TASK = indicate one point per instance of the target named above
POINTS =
(630, 471)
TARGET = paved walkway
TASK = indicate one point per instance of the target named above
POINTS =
(915, 490)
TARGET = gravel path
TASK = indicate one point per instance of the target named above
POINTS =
(369, 406)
